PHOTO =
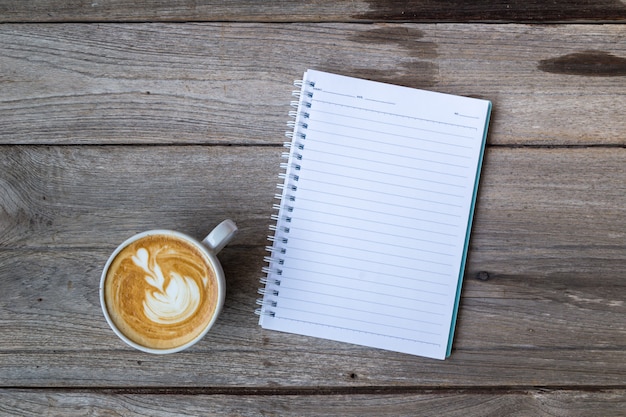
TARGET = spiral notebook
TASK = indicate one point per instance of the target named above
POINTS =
(376, 203)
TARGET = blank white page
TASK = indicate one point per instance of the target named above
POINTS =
(374, 221)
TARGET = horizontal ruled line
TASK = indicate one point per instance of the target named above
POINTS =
(369, 260)
(374, 171)
(381, 274)
(366, 281)
(367, 302)
(393, 114)
(335, 134)
(403, 145)
(351, 117)
(352, 177)
(343, 225)
(387, 204)
(395, 296)
(378, 152)
(352, 187)
(354, 158)
(380, 101)
(467, 116)
(319, 313)
(398, 135)
(404, 225)
(358, 331)
(339, 94)
(384, 213)
(378, 242)
(326, 243)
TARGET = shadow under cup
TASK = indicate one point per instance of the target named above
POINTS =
(161, 291)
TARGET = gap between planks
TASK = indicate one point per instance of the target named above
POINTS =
(324, 391)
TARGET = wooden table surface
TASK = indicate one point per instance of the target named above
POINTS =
(118, 116)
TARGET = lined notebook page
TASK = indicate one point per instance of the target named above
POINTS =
(374, 222)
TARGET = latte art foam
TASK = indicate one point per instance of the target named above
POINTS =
(172, 304)
(161, 292)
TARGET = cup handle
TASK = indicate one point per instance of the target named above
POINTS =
(220, 236)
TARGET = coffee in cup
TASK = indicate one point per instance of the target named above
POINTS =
(161, 290)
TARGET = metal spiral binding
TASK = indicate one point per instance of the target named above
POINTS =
(288, 187)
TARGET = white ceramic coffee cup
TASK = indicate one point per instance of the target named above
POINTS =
(210, 246)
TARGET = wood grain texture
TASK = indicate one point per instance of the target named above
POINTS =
(51, 195)
(325, 10)
(541, 317)
(230, 83)
(605, 403)
(110, 125)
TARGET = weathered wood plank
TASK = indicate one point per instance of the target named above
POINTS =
(605, 403)
(292, 10)
(309, 363)
(573, 198)
(51, 195)
(541, 329)
(521, 312)
(541, 318)
(561, 208)
(230, 83)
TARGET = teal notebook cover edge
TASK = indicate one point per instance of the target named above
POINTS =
(467, 234)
